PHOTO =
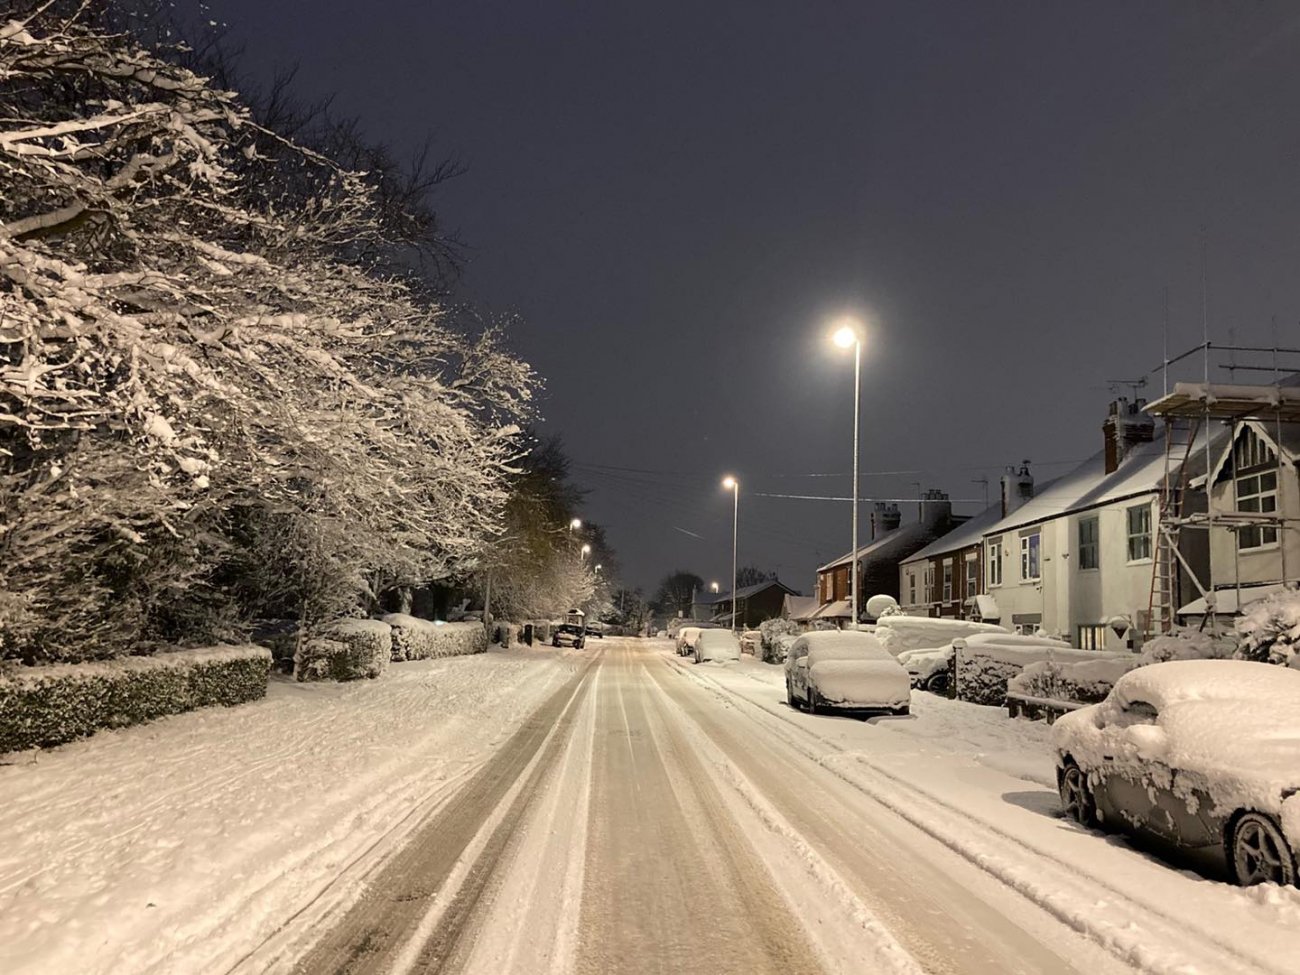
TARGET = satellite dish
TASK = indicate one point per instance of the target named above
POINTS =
(881, 605)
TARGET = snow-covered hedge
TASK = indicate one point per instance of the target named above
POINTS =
(899, 633)
(1270, 629)
(417, 639)
(41, 706)
(1079, 682)
(983, 667)
(769, 630)
(346, 650)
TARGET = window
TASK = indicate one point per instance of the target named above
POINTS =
(1031, 556)
(1139, 532)
(1092, 636)
(1257, 492)
(947, 580)
(995, 563)
(972, 576)
(929, 584)
(1089, 541)
(1251, 451)
(911, 588)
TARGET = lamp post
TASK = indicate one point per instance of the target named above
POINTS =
(732, 485)
(714, 587)
(849, 333)
(584, 551)
(576, 523)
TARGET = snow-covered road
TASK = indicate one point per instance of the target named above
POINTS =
(612, 811)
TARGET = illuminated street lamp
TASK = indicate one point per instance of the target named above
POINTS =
(848, 334)
(732, 485)
(585, 551)
(713, 586)
(576, 523)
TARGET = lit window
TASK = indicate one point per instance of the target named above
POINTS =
(1092, 636)
(1031, 556)
(1139, 532)
(1089, 541)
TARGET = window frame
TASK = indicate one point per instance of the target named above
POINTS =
(1144, 536)
(1031, 556)
(948, 578)
(1254, 538)
(995, 563)
(972, 563)
(1090, 545)
(1091, 636)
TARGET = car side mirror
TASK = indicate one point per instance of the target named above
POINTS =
(1148, 740)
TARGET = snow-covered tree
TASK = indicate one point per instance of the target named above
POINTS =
(1270, 629)
(207, 374)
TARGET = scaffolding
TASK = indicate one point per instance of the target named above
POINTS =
(1192, 410)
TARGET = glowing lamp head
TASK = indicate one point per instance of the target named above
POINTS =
(586, 550)
(599, 566)
(576, 523)
(729, 483)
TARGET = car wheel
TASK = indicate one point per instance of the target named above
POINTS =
(814, 705)
(555, 642)
(938, 684)
(1076, 795)
(904, 711)
(789, 695)
(1259, 852)
(579, 644)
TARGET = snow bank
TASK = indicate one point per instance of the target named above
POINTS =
(346, 650)
(417, 639)
(41, 706)
(899, 633)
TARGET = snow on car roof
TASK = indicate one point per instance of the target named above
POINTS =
(710, 637)
(831, 642)
(1262, 686)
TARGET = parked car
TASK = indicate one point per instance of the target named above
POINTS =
(1197, 755)
(928, 670)
(751, 641)
(569, 635)
(597, 630)
(845, 669)
(716, 645)
(686, 638)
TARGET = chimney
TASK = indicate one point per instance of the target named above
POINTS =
(1017, 488)
(1126, 426)
(935, 508)
(890, 518)
(877, 519)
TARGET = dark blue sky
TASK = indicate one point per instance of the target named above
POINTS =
(676, 197)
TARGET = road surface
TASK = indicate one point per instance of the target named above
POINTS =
(640, 823)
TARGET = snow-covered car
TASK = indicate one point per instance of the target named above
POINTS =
(569, 635)
(845, 669)
(597, 630)
(751, 641)
(686, 638)
(928, 670)
(1199, 755)
(716, 645)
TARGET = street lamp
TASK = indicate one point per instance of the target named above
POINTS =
(848, 334)
(576, 523)
(586, 550)
(732, 485)
(713, 586)
(598, 567)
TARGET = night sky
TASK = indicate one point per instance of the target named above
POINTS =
(677, 197)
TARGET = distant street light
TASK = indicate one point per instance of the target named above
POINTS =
(849, 334)
(576, 523)
(599, 567)
(713, 586)
(732, 485)
(586, 550)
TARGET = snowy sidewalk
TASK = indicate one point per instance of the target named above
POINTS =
(179, 845)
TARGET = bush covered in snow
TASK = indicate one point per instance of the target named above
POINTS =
(417, 639)
(984, 665)
(1186, 644)
(1270, 629)
(769, 631)
(345, 650)
(49, 705)
(1081, 681)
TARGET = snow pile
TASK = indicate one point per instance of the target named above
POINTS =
(1230, 727)
(922, 665)
(1186, 644)
(985, 663)
(1080, 682)
(417, 639)
(52, 705)
(1270, 629)
(899, 633)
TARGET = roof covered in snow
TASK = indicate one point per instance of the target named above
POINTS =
(744, 592)
(970, 532)
(892, 545)
(799, 607)
(1141, 472)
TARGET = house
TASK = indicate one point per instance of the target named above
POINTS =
(799, 608)
(946, 577)
(878, 561)
(1252, 520)
(1077, 559)
(759, 602)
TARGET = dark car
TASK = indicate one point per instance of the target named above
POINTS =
(1199, 756)
(569, 635)
(596, 630)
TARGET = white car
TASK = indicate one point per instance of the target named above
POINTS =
(928, 670)
(1196, 755)
(686, 638)
(716, 645)
(751, 641)
(845, 669)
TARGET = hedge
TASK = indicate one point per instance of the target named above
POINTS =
(44, 706)
(417, 639)
(345, 650)
(983, 669)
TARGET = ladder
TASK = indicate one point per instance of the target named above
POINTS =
(1180, 435)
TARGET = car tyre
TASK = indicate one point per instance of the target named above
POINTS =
(814, 704)
(904, 711)
(579, 644)
(1258, 852)
(1076, 795)
(789, 696)
(937, 684)
(555, 642)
